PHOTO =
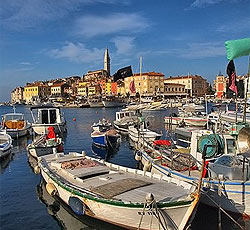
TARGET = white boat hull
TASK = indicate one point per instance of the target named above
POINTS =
(42, 129)
(147, 135)
(235, 195)
(126, 215)
(15, 133)
(5, 144)
(195, 122)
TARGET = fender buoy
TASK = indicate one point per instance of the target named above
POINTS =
(51, 189)
(77, 205)
(147, 166)
(37, 169)
(138, 156)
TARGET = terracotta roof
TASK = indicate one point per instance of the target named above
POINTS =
(183, 77)
(149, 73)
(57, 85)
(174, 84)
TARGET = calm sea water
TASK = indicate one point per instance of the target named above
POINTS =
(25, 204)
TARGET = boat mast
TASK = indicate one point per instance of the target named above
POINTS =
(140, 75)
(245, 105)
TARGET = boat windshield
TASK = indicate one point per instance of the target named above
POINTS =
(13, 117)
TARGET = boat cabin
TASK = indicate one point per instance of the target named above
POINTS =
(13, 121)
(124, 114)
(46, 115)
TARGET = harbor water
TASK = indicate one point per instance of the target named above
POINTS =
(25, 204)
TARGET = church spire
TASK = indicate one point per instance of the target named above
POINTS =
(107, 61)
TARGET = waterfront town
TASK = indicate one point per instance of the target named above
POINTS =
(99, 83)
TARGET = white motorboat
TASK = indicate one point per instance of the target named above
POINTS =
(230, 116)
(126, 197)
(195, 121)
(5, 144)
(102, 125)
(44, 146)
(45, 117)
(15, 125)
(140, 131)
(124, 119)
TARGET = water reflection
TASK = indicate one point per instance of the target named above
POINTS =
(104, 153)
(65, 217)
(20, 144)
(4, 162)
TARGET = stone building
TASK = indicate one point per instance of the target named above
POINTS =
(220, 86)
(17, 95)
(146, 84)
(195, 85)
(174, 90)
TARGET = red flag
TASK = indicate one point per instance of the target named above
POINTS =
(232, 76)
(132, 86)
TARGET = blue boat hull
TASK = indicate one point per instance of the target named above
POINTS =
(99, 140)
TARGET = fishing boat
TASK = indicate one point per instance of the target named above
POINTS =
(126, 197)
(95, 103)
(5, 144)
(124, 119)
(102, 125)
(230, 116)
(113, 102)
(226, 183)
(45, 144)
(45, 117)
(195, 121)
(106, 139)
(174, 119)
(141, 131)
(15, 125)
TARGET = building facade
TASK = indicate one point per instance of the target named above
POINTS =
(35, 91)
(174, 90)
(220, 86)
(57, 90)
(146, 84)
(195, 85)
(17, 95)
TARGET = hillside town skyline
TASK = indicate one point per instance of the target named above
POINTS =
(96, 83)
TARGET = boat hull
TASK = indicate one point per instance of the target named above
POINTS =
(15, 133)
(42, 129)
(195, 122)
(110, 104)
(235, 196)
(147, 136)
(127, 215)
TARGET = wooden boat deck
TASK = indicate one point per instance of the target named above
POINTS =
(115, 184)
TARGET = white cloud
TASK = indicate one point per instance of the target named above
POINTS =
(93, 25)
(77, 52)
(23, 14)
(25, 63)
(124, 44)
(204, 3)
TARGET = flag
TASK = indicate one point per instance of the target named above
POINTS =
(132, 86)
(232, 76)
(123, 73)
(237, 48)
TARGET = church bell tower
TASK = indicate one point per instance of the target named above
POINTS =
(107, 61)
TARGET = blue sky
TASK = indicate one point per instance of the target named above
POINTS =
(46, 39)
